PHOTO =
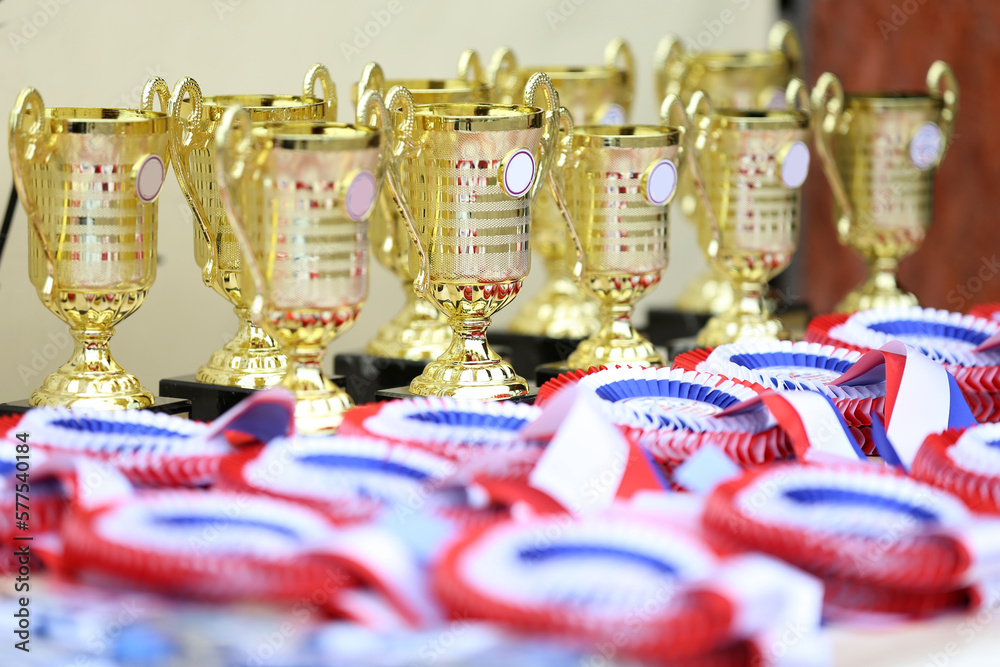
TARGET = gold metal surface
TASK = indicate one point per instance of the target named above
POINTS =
(748, 216)
(748, 80)
(470, 237)
(81, 177)
(288, 189)
(419, 331)
(600, 94)
(250, 359)
(625, 235)
(883, 201)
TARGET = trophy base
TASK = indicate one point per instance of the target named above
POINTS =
(404, 392)
(162, 404)
(486, 380)
(527, 351)
(208, 401)
(250, 360)
(603, 351)
(321, 411)
(419, 333)
(114, 390)
(728, 328)
(707, 295)
(861, 299)
(367, 374)
(668, 324)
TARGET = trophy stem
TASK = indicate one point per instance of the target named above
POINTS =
(880, 289)
(561, 309)
(92, 378)
(470, 368)
(319, 403)
(749, 318)
(250, 359)
(419, 332)
(616, 342)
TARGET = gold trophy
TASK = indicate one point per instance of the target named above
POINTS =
(88, 180)
(747, 168)
(250, 359)
(616, 184)
(880, 152)
(298, 195)
(599, 94)
(468, 175)
(747, 80)
(419, 332)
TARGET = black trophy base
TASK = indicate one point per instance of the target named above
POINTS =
(208, 401)
(366, 374)
(667, 325)
(165, 404)
(546, 372)
(404, 392)
(527, 352)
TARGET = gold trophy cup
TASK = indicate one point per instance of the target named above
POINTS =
(468, 175)
(735, 80)
(250, 359)
(880, 152)
(88, 180)
(616, 184)
(419, 332)
(600, 94)
(747, 168)
(298, 195)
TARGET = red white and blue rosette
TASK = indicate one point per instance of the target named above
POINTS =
(563, 380)
(451, 427)
(585, 580)
(855, 522)
(801, 366)
(672, 412)
(149, 448)
(965, 462)
(946, 337)
(347, 478)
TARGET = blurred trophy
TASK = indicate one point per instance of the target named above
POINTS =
(298, 195)
(419, 332)
(747, 168)
(468, 175)
(88, 180)
(880, 152)
(600, 94)
(616, 184)
(250, 360)
(734, 80)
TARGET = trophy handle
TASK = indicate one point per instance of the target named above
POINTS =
(670, 66)
(27, 145)
(618, 56)
(186, 136)
(557, 142)
(372, 78)
(783, 38)
(943, 85)
(233, 160)
(469, 67)
(502, 75)
(373, 111)
(699, 113)
(318, 73)
(797, 97)
(828, 107)
(671, 108)
(158, 87)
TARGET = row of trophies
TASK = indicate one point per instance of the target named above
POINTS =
(285, 201)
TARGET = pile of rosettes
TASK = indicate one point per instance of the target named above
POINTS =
(635, 514)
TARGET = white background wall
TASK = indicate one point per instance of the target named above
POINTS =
(100, 52)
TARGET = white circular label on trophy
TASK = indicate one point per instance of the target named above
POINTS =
(615, 115)
(795, 165)
(661, 183)
(149, 178)
(360, 196)
(517, 172)
(926, 145)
